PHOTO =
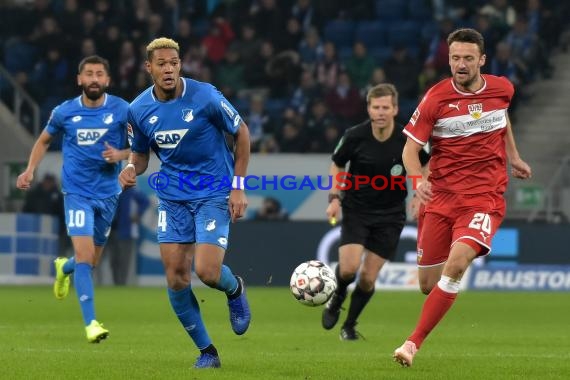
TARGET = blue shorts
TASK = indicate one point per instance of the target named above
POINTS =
(202, 221)
(86, 216)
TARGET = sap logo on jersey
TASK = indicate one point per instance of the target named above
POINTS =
(169, 139)
(90, 136)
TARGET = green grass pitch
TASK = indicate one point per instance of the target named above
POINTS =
(485, 336)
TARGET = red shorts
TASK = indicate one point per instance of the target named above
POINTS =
(450, 217)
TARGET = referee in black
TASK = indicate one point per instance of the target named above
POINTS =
(372, 217)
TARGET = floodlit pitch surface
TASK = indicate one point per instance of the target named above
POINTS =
(500, 335)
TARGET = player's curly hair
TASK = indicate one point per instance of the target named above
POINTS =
(161, 43)
(467, 35)
(383, 89)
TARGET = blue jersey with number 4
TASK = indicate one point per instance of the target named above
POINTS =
(188, 136)
(85, 131)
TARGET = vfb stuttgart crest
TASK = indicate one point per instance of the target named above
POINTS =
(475, 110)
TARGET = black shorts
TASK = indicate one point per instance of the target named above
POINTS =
(379, 234)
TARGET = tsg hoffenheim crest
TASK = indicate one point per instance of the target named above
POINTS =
(107, 118)
(187, 115)
(475, 110)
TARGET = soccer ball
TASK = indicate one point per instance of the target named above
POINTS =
(312, 283)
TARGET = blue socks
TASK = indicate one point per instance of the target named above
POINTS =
(69, 266)
(187, 310)
(84, 288)
(228, 282)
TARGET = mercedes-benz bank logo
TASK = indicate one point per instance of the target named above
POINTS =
(332, 237)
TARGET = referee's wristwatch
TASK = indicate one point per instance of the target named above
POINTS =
(333, 197)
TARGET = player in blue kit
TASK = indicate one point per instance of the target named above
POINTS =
(199, 186)
(94, 127)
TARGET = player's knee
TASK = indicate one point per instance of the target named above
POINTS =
(348, 271)
(367, 280)
(426, 289)
(209, 276)
(177, 279)
(366, 284)
(426, 285)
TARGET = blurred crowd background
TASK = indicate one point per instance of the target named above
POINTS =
(296, 70)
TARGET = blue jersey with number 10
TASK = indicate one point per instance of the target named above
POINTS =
(85, 131)
(188, 136)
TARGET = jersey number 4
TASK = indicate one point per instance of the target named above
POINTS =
(481, 222)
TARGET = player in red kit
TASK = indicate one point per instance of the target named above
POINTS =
(465, 118)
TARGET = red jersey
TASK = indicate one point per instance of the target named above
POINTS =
(467, 132)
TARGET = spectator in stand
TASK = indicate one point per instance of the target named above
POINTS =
(328, 67)
(311, 49)
(193, 61)
(306, 14)
(127, 70)
(87, 48)
(378, 76)
(185, 35)
(256, 74)
(110, 44)
(307, 90)
(121, 247)
(46, 198)
(489, 33)
(292, 36)
(219, 37)
(270, 210)
(403, 70)
(438, 51)
(268, 19)
(502, 14)
(526, 47)
(230, 74)
(260, 123)
(328, 141)
(360, 66)
(293, 139)
(344, 101)
(318, 118)
(248, 44)
(503, 65)
(47, 34)
(70, 19)
(52, 75)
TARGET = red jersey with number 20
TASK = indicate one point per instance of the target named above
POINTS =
(467, 135)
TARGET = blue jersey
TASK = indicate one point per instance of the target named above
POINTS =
(188, 136)
(85, 131)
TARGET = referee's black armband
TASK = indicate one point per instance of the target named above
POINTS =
(333, 197)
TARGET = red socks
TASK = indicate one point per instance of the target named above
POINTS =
(436, 305)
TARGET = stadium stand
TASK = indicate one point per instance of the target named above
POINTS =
(42, 41)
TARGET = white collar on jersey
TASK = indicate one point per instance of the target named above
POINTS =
(181, 95)
(83, 105)
(470, 93)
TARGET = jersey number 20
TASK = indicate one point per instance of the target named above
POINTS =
(481, 222)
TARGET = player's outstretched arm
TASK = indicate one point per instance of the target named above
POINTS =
(138, 163)
(238, 200)
(36, 156)
(519, 168)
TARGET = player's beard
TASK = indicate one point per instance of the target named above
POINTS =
(465, 83)
(93, 92)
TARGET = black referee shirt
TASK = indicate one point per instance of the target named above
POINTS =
(369, 157)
